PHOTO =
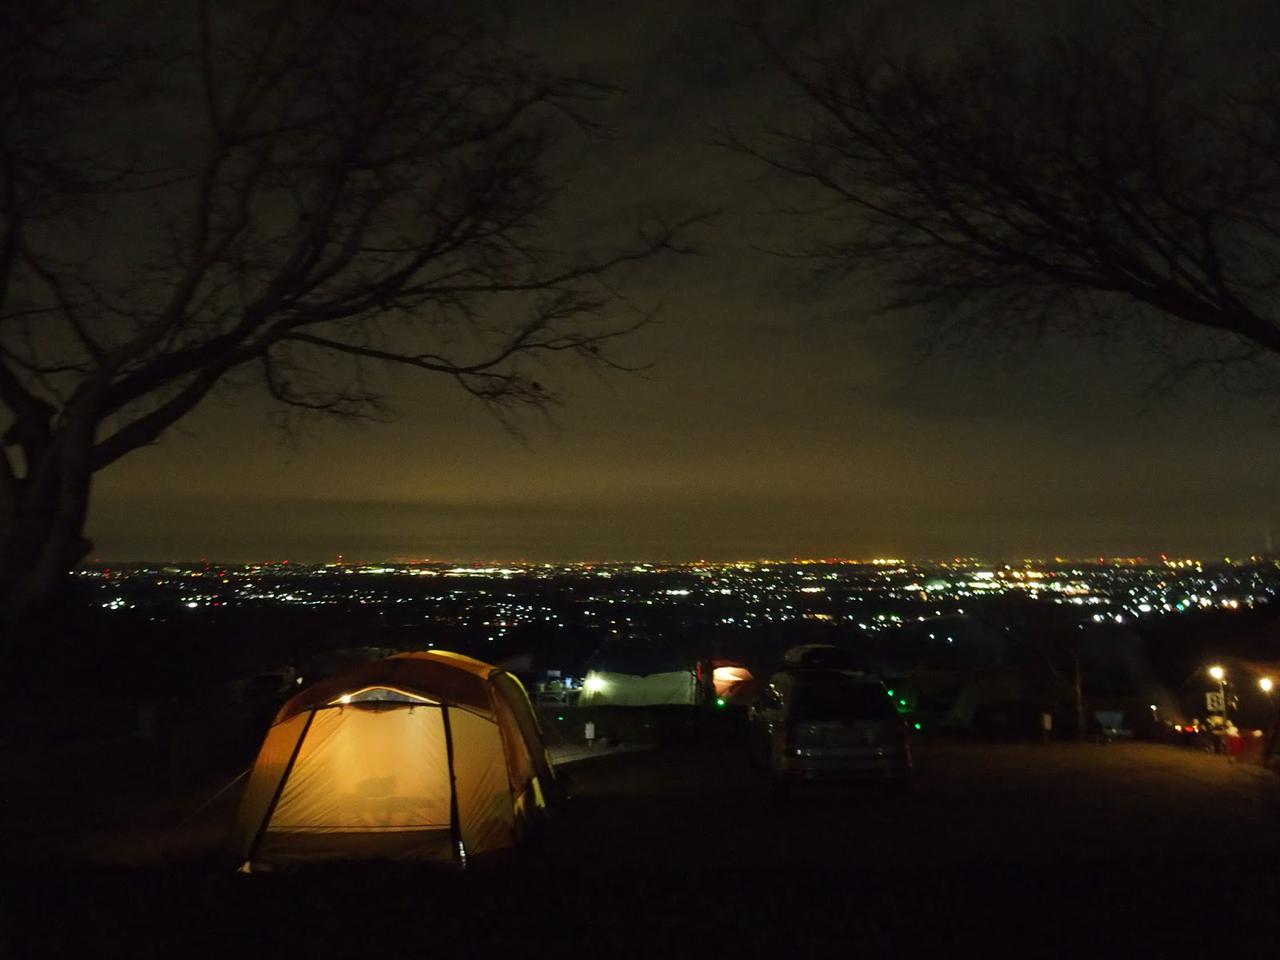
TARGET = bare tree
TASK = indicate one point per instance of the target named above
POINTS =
(1011, 183)
(319, 188)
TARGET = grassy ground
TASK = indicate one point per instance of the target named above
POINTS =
(1039, 850)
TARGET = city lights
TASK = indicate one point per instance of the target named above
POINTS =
(498, 600)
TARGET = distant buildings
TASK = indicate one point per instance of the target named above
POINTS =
(870, 596)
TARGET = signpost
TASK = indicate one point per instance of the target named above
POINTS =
(1217, 702)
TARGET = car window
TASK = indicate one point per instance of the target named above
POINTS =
(835, 696)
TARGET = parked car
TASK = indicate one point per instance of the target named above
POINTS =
(816, 724)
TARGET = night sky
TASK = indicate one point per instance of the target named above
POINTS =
(779, 418)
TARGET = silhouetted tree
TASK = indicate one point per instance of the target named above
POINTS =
(1011, 182)
(1063, 658)
(305, 191)
(1053, 639)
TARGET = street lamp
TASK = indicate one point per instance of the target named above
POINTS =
(1266, 684)
(1219, 674)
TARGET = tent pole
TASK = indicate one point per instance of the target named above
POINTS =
(275, 799)
(455, 825)
(196, 812)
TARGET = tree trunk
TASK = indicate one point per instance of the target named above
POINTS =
(1273, 736)
(1078, 691)
(42, 524)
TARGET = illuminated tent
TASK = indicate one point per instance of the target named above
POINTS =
(423, 756)
(731, 679)
(639, 672)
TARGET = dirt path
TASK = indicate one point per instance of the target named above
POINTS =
(1040, 851)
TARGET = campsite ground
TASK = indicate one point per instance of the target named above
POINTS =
(1045, 850)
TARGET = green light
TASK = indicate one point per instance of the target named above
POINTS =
(891, 693)
(903, 702)
(720, 701)
(560, 716)
(918, 726)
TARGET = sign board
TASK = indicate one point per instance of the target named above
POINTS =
(1213, 702)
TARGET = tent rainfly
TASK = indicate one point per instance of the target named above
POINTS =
(423, 756)
(731, 679)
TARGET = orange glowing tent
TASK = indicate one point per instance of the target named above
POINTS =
(731, 679)
(424, 756)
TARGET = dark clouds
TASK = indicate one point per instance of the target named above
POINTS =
(778, 419)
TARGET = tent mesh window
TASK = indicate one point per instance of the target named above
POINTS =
(381, 695)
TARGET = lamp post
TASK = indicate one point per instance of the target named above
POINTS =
(1220, 675)
(1267, 685)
